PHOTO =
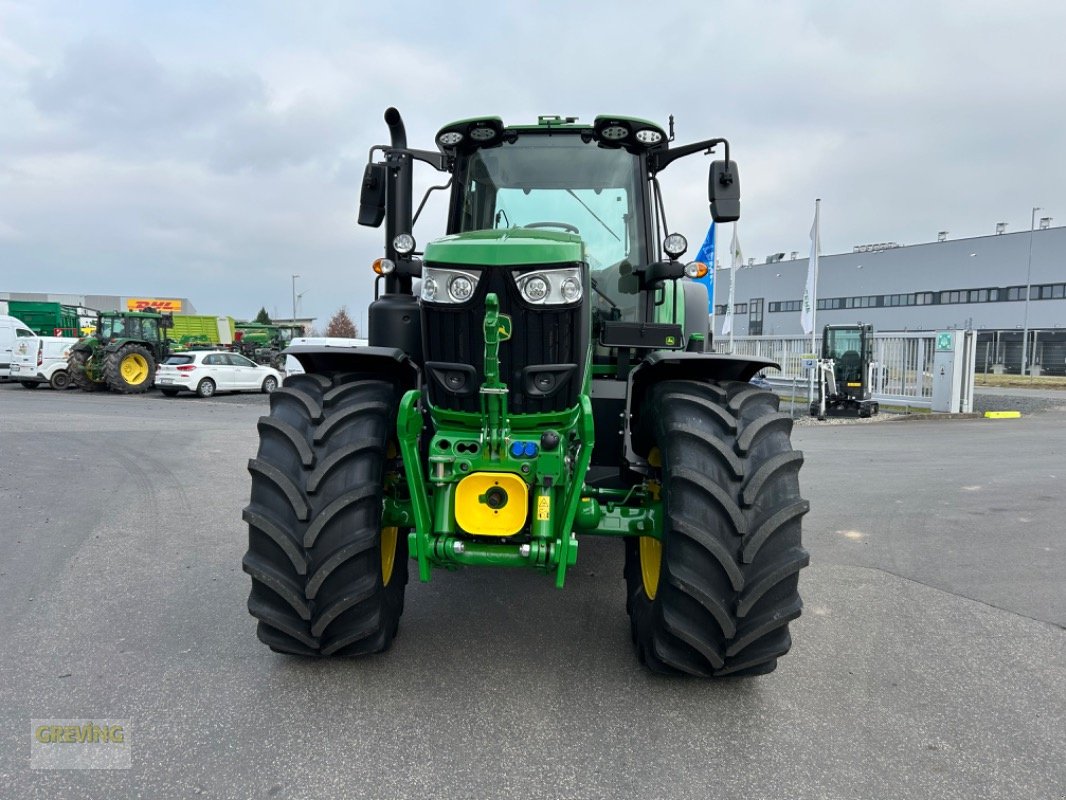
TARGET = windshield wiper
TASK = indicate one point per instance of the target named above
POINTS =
(596, 289)
(583, 203)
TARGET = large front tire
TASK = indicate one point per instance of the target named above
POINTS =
(714, 596)
(76, 365)
(326, 578)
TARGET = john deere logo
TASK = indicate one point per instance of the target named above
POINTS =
(503, 325)
(671, 340)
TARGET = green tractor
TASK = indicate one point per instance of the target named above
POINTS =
(123, 353)
(539, 374)
(264, 343)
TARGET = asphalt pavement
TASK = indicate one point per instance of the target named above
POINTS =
(930, 661)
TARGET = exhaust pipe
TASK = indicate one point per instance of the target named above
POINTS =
(393, 318)
(399, 207)
(396, 129)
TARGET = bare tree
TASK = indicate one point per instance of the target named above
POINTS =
(341, 325)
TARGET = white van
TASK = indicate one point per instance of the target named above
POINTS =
(15, 339)
(293, 367)
(48, 364)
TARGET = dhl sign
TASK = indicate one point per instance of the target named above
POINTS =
(158, 303)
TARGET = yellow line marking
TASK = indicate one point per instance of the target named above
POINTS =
(1002, 414)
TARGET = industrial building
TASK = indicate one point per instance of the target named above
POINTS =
(978, 283)
(106, 302)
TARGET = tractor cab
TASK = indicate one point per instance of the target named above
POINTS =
(148, 327)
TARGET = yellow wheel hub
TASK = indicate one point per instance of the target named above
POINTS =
(651, 549)
(388, 553)
(134, 369)
(651, 560)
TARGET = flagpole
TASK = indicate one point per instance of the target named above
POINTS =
(736, 258)
(815, 252)
(714, 291)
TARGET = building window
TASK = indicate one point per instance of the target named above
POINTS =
(755, 317)
(1058, 291)
(788, 305)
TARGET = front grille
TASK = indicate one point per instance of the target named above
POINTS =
(540, 335)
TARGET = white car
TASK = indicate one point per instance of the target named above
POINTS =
(208, 371)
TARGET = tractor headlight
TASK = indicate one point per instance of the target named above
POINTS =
(675, 245)
(571, 290)
(448, 285)
(429, 289)
(460, 288)
(551, 286)
(404, 244)
(534, 288)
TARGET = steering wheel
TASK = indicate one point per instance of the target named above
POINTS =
(566, 226)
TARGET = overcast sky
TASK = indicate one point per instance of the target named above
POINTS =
(211, 150)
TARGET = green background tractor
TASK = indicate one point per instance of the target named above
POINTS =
(547, 379)
(123, 353)
(263, 343)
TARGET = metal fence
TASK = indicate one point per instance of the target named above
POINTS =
(1000, 352)
(902, 373)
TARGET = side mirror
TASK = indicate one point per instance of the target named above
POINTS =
(372, 195)
(723, 191)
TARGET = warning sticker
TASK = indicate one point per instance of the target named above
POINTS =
(544, 507)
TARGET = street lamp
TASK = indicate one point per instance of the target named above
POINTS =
(294, 277)
(1028, 291)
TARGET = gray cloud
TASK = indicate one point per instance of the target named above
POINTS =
(117, 94)
(125, 162)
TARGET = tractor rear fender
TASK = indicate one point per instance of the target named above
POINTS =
(667, 365)
(390, 362)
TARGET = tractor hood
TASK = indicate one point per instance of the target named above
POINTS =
(506, 247)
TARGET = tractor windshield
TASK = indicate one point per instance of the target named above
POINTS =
(114, 328)
(562, 183)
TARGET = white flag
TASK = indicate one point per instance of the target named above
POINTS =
(810, 292)
(738, 259)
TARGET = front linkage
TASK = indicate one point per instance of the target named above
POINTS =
(490, 472)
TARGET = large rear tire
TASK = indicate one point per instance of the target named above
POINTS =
(76, 366)
(130, 369)
(326, 578)
(715, 595)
